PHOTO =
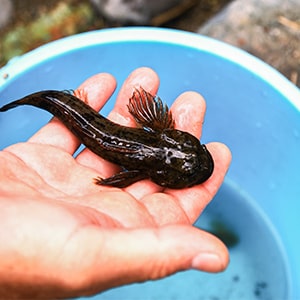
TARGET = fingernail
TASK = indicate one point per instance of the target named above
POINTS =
(208, 262)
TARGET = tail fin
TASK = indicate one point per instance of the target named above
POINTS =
(10, 105)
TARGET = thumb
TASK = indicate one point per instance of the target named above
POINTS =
(122, 256)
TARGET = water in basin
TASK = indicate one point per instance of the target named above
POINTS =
(257, 269)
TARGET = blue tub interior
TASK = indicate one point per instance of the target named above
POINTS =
(258, 202)
(257, 270)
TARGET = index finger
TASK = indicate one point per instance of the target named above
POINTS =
(144, 77)
(99, 88)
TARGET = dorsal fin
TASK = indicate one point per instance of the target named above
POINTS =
(149, 111)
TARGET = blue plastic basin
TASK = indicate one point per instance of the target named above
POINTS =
(250, 107)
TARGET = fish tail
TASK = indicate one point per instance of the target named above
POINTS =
(35, 99)
(51, 101)
(10, 105)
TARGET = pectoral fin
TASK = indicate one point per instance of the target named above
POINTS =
(149, 111)
(122, 179)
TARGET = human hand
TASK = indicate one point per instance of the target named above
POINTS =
(63, 236)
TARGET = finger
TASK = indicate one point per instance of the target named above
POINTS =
(127, 256)
(98, 89)
(140, 77)
(144, 77)
(188, 112)
(193, 200)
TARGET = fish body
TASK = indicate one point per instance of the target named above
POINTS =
(169, 157)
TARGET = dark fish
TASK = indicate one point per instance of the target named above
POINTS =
(169, 157)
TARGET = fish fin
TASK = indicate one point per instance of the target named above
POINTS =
(149, 111)
(122, 179)
(69, 91)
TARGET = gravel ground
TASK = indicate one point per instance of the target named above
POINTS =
(269, 29)
(27, 24)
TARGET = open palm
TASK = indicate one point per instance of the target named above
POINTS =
(63, 236)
